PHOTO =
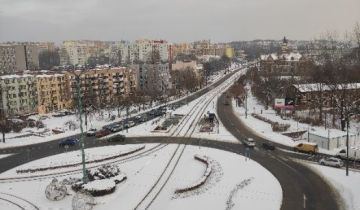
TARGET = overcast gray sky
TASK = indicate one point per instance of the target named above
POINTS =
(174, 20)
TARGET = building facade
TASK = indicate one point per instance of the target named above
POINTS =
(153, 79)
(12, 58)
(52, 93)
(18, 94)
(100, 87)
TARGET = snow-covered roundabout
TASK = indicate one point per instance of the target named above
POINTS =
(204, 178)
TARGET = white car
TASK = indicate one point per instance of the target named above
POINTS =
(91, 132)
(249, 142)
(331, 161)
(116, 128)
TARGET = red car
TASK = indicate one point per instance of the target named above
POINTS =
(102, 133)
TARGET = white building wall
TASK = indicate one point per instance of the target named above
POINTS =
(333, 142)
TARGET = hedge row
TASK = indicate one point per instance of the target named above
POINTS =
(102, 181)
(277, 127)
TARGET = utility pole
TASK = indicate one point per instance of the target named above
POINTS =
(347, 144)
(82, 145)
(246, 105)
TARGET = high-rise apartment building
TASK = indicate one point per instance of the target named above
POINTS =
(12, 58)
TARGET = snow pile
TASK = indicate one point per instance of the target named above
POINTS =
(230, 203)
(98, 185)
(204, 177)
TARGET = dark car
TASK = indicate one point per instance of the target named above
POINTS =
(268, 146)
(68, 142)
(102, 133)
(116, 138)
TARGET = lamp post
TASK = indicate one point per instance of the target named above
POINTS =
(347, 145)
(246, 105)
(82, 145)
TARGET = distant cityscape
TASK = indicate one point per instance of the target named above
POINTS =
(41, 76)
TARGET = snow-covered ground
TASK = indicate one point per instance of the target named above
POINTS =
(26, 137)
(234, 181)
(5, 155)
(346, 186)
(264, 129)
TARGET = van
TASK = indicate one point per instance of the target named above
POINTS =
(306, 147)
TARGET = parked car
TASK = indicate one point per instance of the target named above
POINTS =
(306, 147)
(91, 132)
(331, 161)
(116, 138)
(102, 133)
(141, 118)
(116, 128)
(129, 124)
(249, 142)
(68, 142)
(268, 146)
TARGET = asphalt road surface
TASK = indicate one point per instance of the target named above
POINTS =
(295, 179)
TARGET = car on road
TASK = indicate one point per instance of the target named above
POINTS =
(102, 133)
(249, 142)
(68, 142)
(116, 138)
(268, 146)
(331, 161)
(140, 118)
(91, 132)
(129, 124)
(116, 128)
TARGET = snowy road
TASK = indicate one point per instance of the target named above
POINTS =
(297, 180)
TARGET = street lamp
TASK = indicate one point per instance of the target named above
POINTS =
(82, 145)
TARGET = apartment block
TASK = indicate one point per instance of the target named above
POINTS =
(52, 93)
(18, 94)
(12, 58)
(100, 87)
(153, 78)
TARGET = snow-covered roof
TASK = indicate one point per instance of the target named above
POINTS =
(15, 76)
(265, 57)
(292, 56)
(316, 87)
(285, 56)
(49, 75)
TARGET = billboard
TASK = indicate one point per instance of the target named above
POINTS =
(284, 103)
(279, 102)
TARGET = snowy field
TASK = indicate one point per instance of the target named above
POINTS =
(235, 183)
(347, 186)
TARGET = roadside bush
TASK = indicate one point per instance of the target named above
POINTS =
(277, 127)
(18, 126)
(102, 181)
